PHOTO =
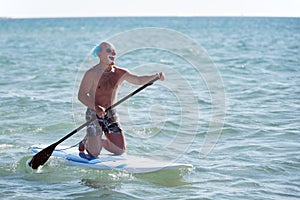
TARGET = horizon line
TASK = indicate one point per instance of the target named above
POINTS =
(151, 16)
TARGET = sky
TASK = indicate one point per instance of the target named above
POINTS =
(100, 8)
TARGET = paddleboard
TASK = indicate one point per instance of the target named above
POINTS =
(129, 163)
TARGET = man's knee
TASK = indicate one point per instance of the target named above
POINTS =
(120, 151)
(93, 151)
(93, 145)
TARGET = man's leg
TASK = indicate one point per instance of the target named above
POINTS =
(115, 143)
(93, 142)
(93, 145)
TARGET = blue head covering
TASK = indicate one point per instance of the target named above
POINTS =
(96, 50)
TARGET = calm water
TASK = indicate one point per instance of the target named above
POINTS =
(255, 157)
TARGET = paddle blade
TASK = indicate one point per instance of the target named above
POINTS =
(41, 157)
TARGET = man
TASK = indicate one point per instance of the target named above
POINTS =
(98, 91)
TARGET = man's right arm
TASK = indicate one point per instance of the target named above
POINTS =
(84, 93)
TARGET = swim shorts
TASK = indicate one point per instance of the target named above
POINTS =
(107, 124)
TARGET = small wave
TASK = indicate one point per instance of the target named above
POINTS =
(167, 62)
(6, 146)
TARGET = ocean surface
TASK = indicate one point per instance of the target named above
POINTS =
(230, 106)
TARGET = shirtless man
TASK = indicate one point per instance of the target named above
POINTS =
(98, 91)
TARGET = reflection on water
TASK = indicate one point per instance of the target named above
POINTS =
(166, 177)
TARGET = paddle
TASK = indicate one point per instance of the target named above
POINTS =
(41, 157)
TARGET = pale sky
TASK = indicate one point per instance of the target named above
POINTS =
(99, 8)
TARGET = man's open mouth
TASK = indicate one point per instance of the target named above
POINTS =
(111, 58)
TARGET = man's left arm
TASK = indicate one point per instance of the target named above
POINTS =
(142, 80)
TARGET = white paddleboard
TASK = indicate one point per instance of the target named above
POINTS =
(132, 164)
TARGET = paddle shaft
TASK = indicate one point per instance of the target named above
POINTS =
(131, 94)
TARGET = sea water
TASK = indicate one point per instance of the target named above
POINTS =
(239, 126)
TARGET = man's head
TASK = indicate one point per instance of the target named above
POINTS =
(105, 52)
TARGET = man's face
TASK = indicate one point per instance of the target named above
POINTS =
(108, 54)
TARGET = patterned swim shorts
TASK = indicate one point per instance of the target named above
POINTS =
(107, 124)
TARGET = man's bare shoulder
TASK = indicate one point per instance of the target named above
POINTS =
(119, 69)
(91, 72)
